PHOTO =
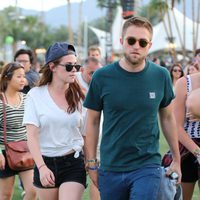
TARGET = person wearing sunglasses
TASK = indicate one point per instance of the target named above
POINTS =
(176, 72)
(54, 118)
(11, 83)
(130, 93)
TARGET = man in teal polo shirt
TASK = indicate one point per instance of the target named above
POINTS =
(131, 93)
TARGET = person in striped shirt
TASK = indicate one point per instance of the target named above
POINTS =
(11, 83)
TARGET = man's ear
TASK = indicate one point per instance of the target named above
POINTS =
(150, 44)
(121, 41)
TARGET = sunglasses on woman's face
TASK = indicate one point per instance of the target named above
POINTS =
(177, 70)
(142, 42)
(69, 67)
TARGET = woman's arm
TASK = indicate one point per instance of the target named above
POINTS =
(180, 114)
(33, 144)
(46, 176)
(193, 104)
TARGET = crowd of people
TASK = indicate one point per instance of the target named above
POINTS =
(89, 117)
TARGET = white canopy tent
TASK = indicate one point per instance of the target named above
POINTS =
(160, 38)
(116, 31)
(101, 35)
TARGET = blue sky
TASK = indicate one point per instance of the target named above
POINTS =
(35, 4)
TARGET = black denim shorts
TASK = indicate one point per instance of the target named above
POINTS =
(7, 172)
(190, 169)
(65, 169)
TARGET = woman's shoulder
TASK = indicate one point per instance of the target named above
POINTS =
(37, 90)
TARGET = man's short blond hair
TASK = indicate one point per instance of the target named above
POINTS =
(139, 22)
(94, 48)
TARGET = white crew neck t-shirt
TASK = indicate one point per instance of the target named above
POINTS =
(59, 131)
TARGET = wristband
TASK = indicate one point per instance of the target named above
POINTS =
(197, 153)
(41, 166)
(92, 161)
(93, 168)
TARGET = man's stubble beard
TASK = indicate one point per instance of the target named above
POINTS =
(134, 61)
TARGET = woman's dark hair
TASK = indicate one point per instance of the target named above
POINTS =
(7, 74)
(74, 94)
(172, 68)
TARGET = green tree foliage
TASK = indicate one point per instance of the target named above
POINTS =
(154, 11)
(37, 34)
(28, 28)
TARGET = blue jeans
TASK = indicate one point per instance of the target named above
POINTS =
(141, 184)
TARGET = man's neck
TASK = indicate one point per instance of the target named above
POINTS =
(130, 67)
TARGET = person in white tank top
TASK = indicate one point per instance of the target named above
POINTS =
(188, 130)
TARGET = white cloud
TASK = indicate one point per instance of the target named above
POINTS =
(35, 4)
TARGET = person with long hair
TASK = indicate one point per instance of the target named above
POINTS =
(54, 118)
(186, 89)
(11, 83)
(176, 72)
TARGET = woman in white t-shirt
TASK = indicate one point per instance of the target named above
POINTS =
(54, 118)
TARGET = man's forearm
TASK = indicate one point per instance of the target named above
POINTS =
(170, 132)
(91, 142)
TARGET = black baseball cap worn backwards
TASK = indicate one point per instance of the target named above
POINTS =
(58, 50)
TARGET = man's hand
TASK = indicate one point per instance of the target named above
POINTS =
(175, 167)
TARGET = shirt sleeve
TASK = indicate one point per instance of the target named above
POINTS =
(168, 91)
(30, 113)
(93, 98)
(32, 78)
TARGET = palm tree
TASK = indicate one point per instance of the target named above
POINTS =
(71, 38)
(80, 22)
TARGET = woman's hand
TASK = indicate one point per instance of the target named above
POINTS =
(94, 177)
(47, 177)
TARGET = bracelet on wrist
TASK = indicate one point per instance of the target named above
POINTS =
(197, 153)
(93, 168)
(41, 166)
(92, 161)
